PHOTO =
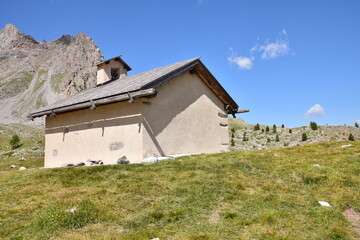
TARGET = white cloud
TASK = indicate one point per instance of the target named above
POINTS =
(267, 50)
(317, 109)
(274, 49)
(242, 62)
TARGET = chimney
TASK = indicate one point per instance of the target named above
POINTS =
(111, 69)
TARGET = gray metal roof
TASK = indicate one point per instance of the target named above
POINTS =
(137, 83)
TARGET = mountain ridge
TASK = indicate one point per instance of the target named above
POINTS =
(34, 74)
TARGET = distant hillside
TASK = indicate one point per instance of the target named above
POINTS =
(34, 74)
(259, 139)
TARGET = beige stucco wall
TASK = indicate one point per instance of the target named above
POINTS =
(183, 118)
(104, 71)
(107, 133)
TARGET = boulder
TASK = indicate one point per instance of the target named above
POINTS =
(123, 160)
(22, 168)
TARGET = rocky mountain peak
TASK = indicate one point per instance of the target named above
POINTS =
(11, 37)
(33, 74)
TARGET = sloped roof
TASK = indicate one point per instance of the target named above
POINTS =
(137, 85)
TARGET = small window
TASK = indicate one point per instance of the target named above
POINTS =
(115, 73)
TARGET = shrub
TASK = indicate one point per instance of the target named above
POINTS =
(262, 130)
(15, 141)
(282, 126)
(233, 130)
(313, 126)
(356, 124)
(268, 140)
(277, 139)
(290, 131)
(245, 138)
(257, 127)
(267, 129)
(304, 137)
(351, 137)
(232, 135)
(274, 128)
(232, 142)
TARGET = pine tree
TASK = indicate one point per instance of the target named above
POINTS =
(262, 130)
(232, 135)
(282, 126)
(356, 124)
(277, 139)
(257, 127)
(232, 142)
(274, 128)
(267, 129)
(268, 140)
(244, 137)
(351, 137)
(313, 126)
(304, 137)
(290, 131)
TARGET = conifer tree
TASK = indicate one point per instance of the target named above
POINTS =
(274, 128)
(277, 138)
(290, 131)
(356, 124)
(282, 126)
(257, 127)
(267, 129)
(351, 137)
(304, 137)
(232, 142)
(268, 140)
(313, 125)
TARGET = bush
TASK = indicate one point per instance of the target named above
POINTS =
(257, 127)
(274, 128)
(233, 130)
(15, 141)
(282, 126)
(245, 138)
(313, 126)
(232, 142)
(290, 131)
(351, 137)
(277, 139)
(262, 130)
(267, 129)
(304, 137)
(356, 124)
(268, 140)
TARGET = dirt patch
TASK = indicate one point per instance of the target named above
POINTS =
(353, 216)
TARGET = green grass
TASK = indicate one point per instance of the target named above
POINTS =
(56, 80)
(235, 195)
(40, 80)
(31, 140)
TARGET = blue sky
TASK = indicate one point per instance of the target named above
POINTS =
(289, 62)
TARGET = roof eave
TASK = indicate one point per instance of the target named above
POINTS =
(95, 102)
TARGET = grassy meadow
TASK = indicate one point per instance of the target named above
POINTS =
(260, 194)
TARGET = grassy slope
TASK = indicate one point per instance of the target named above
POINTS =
(31, 150)
(265, 194)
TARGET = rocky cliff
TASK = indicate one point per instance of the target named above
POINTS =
(34, 74)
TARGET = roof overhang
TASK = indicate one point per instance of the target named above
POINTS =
(96, 102)
(119, 59)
